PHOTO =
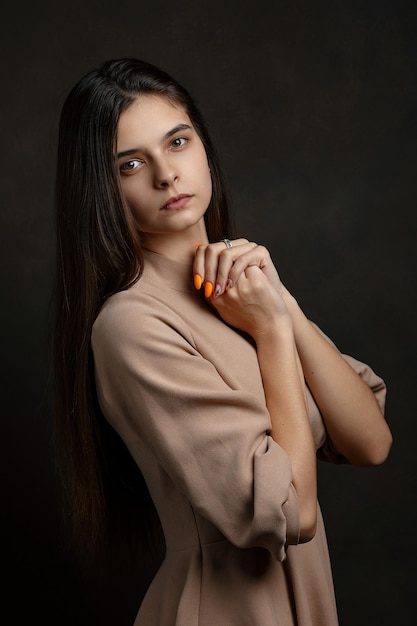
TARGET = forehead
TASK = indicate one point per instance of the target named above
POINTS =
(148, 119)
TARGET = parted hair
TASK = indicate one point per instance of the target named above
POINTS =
(98, 253)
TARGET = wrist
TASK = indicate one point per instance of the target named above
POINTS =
(292, 305)
(277, 332)
(290, 301)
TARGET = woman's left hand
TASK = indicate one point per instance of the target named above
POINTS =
(219, 267)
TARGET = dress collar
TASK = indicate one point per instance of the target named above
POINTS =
(175, 275)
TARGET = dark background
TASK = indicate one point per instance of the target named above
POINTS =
(313, 107)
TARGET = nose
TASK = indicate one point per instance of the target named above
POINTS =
(165, 173)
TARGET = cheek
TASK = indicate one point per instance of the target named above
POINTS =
(135, 203)
(133, 195)
(205, 175)
(209, 186)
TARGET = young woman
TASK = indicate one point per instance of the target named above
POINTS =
(181, 350)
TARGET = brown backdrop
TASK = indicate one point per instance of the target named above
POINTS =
(313, 105)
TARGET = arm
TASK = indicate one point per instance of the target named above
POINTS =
(280, 369)
(166, 388)
(349, 408)
(350, 411)
(254, 306)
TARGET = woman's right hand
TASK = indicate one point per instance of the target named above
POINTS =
(249, 295)
(242, 284)
(253, 305)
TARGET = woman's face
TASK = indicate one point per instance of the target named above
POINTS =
(162, 165)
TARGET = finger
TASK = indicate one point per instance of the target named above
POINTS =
(257, 256)
(226, 260)
(198, 265)
(206, 265)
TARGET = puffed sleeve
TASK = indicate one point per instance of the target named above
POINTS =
(155, 386)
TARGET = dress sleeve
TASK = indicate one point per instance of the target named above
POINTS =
(326, 451)
(155, 386)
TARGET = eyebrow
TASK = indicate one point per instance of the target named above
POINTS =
(167, 135)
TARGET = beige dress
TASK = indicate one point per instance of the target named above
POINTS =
(185, 393)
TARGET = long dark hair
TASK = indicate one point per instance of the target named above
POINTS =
(98, 254)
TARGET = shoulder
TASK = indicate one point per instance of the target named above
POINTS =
(136, 315)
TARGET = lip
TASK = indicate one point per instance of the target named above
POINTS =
(176, 202)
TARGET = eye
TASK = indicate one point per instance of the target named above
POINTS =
(130, 166)
(179, 142)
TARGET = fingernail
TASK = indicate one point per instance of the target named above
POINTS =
(217, 291)
(208, 289)
(198, 281)
(228, 284)
(197, 245)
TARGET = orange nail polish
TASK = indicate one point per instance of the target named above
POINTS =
(228, 284)
(198, 281)
(197, 245)
(208, 289)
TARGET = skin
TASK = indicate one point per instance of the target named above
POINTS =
(243, 285)
(161, 164)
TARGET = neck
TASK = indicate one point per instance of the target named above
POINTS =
(180, 246)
